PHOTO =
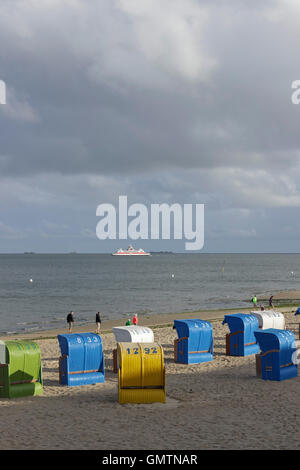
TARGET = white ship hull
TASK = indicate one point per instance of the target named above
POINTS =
(131, 254)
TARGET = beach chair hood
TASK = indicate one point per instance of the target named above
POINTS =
(133, 334)
(270, 319)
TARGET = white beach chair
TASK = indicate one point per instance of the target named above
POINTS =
(270, 319)
(133, 334)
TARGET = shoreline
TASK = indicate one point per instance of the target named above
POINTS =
(152, 321)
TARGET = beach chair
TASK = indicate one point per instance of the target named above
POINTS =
(130, 334)
(133, 334)
(20, 369)
(82, 359)
(241, 340)
(141, 375)
(276, 360)
(269, 319)
(195, 341)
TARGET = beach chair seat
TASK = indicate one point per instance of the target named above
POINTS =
(276, 360)
(194, 343)
(20, 369)
(241, 340)
(82, 359)
(141, 375)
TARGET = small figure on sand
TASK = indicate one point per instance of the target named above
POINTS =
(262, 307)
(254, 300)
(271, 301)
(98, 322)
(135, 319)
(128, 323)
(70, 321)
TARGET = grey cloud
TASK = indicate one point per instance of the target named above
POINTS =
(108, 99)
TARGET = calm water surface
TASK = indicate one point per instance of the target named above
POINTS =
(121, 286)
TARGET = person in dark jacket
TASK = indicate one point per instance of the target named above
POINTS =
(70, 321)
(98, 321)
(271, 301)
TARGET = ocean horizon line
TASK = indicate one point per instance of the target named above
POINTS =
(166, 252)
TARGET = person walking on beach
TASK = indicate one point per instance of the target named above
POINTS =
(98, 321)
(254, 301)
(70, 321)
(271, 301)
(135, 319)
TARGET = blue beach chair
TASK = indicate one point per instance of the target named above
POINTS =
(82, 360)
(195, 341)
(241, 340)
(276, 360)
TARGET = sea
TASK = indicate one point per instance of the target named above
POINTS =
(37, 291)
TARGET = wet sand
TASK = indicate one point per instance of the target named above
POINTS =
(283, 295)
(216, 405)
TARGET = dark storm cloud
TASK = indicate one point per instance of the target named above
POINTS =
(95, 115)
(181, 100)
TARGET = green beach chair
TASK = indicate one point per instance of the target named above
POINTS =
(20, 369)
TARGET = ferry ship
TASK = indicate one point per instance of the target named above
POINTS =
(131, 252)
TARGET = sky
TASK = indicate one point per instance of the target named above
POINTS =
(180, 101)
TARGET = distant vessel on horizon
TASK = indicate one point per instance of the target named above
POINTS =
(131, 252)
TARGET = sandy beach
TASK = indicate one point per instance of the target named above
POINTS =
(216, 405)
